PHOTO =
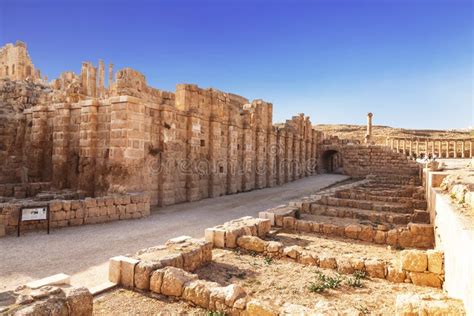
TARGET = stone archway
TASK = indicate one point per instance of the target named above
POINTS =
(331, 161)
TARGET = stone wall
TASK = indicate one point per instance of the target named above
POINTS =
(454, 234)
(184, 146)
(360, 160)
(77, 212)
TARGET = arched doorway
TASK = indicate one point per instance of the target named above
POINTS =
(332, 161)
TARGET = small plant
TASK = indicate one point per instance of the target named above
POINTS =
(325, 282)
(359, 274)
(453, 195)
(354, 282)
(253, 253)
(268, 260)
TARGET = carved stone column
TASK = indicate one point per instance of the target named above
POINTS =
(368, 136)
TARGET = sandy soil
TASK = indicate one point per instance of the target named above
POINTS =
(337, 247)
(284, 281)
(124, 302)
(83, 251)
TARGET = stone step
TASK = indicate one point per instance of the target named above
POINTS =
(413, 235)
(362, 214)
(365, 205)
(368, 196)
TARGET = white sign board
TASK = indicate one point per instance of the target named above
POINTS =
(34, 214)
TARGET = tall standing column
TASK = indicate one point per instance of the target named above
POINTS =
(111, 76)
(404, 146)
(417, 148)
(470, 149)
(410, 149)
(368, 136)
(447, 149)
(455, 149)
(426, 148)
(84, 81)
(92, 81)
(397, 147)
(462, 149)
(440, 154)
(391, 143)
(432, 148)
(101, 78)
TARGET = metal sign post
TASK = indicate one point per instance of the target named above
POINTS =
(33, 213)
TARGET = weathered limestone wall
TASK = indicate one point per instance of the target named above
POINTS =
(19, 137)
(177, 147)
(77, 212)
(454, 233)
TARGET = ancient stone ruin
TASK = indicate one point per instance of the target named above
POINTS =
(73, 138)
(93, 153)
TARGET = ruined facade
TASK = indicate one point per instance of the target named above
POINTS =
(16, 64)
(93, 138)
(75, 133)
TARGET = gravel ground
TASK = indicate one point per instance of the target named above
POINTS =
(83, 251)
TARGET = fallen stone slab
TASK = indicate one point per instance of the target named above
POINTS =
(57, 279)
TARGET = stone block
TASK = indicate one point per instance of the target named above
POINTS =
(79, 302)
(414, 260)
(231, 236)
(174, 280)
(292, 251)
(327, 262)
(274, 246)
(192, 259)
(395, 275)
(435, 261)
(344, 266)
(366, 234)
(90, 202)
(259, 308)
(426, 279)
(375, 268)
(263, 227)
(380, 237)
(143, 271)
(198, 292)
(352, 231)
(127, 271)
(358, 264)
(172, 260)
(303, 226)
(156, 280)
(307, 258)
(288, 222)
(251, 243)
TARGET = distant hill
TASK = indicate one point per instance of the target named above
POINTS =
(380, 132)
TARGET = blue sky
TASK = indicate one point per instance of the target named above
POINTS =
(408, 61)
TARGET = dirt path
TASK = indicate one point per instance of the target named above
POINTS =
(83, 251)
